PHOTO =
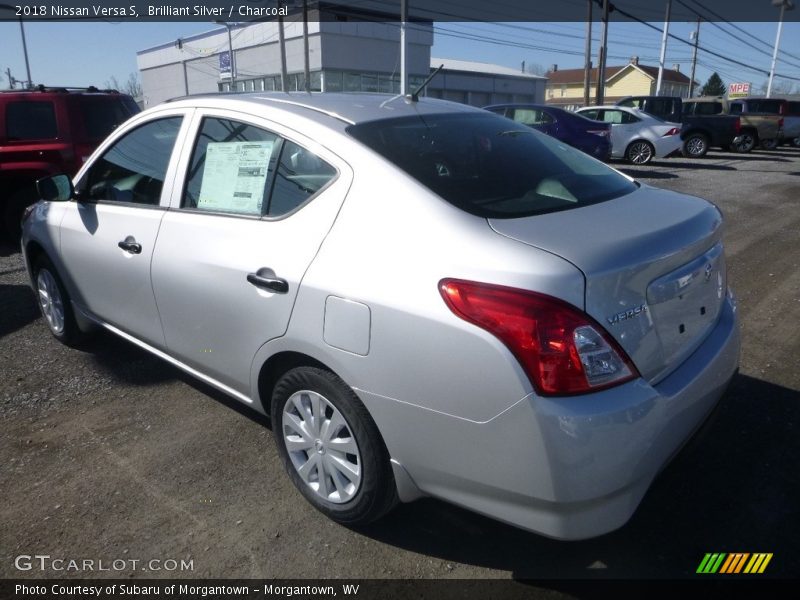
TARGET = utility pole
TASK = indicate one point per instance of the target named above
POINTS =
(282, 44)
(601, 67)
(306, 70)
(587, 59)
(696, 37)
(664, 35)
(784, 4)
(403, 48)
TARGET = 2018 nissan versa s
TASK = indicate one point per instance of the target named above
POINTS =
(428, 299)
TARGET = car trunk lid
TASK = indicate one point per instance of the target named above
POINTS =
(654, 269)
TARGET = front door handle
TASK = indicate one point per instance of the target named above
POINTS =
(129, 244)
(265, 278)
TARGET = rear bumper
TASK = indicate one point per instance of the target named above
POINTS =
(568, 468)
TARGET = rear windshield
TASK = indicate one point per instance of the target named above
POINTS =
(490, 166)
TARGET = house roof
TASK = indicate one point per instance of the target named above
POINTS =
(567, 76)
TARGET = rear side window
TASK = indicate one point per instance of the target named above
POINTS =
(101, 116)
(703, 108)
(490, 167)
(242, 169)
(30, 121)
(134, 168)
(301, 174)
(531, 116)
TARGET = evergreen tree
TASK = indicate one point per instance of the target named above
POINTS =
(714, 86)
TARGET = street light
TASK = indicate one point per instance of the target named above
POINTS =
(785, 5)
(230, 53)
(24, 45)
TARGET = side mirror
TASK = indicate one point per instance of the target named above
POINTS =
(57, 188)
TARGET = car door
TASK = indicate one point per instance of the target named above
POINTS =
(257, 202)
(108, 234)
(624, 128)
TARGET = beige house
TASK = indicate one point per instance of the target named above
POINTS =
(565, 88)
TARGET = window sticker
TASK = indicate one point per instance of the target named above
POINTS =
(235, 176)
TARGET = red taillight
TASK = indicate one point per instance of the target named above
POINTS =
(673, 131)
(738, 126)
(780, 122)
(600, 132)
(562, 350)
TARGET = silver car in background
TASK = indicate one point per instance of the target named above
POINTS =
(636, 136)
(426, 298)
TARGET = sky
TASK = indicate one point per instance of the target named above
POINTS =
(91, 53)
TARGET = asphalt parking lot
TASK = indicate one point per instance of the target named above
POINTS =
(109, 453)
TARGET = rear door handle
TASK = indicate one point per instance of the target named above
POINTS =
(265, 278)
(129, 244)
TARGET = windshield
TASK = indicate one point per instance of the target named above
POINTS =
(490, 166)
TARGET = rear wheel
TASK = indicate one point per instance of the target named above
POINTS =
(769, 144)
(330, 447)
(54, 302)
(747, 141)
(695, 146)
(640, 152)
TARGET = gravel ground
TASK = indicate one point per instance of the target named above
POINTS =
(109, 453)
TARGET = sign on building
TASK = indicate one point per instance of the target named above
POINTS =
(224, 65)
(738, 90)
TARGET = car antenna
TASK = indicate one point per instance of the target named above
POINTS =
(414, 96)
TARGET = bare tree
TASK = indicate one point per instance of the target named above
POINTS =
(132, 87)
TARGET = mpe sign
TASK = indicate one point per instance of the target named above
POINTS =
(738, 90)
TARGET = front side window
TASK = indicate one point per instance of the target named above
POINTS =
(134, 168)
(490, 167)
(30, 121)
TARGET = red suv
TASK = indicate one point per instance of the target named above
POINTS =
(45, 131)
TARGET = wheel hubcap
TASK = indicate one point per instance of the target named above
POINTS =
(321, 446)
(695, 146)
(640, 153)
(50, 300)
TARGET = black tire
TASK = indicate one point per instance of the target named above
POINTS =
(639, 152)
(47, 281)
(695, 145)
(376, 492)
(749, 141)
(769, 144)
(796, 142)
(14, 206)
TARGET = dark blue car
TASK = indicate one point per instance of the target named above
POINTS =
(592, 137)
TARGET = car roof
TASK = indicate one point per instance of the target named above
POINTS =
(352, 108)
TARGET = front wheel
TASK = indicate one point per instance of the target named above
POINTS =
(330, 447)
(640, 152)
(695, 146)
(54, 303)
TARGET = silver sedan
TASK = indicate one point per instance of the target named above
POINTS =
(426, 298)
(636, 136)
